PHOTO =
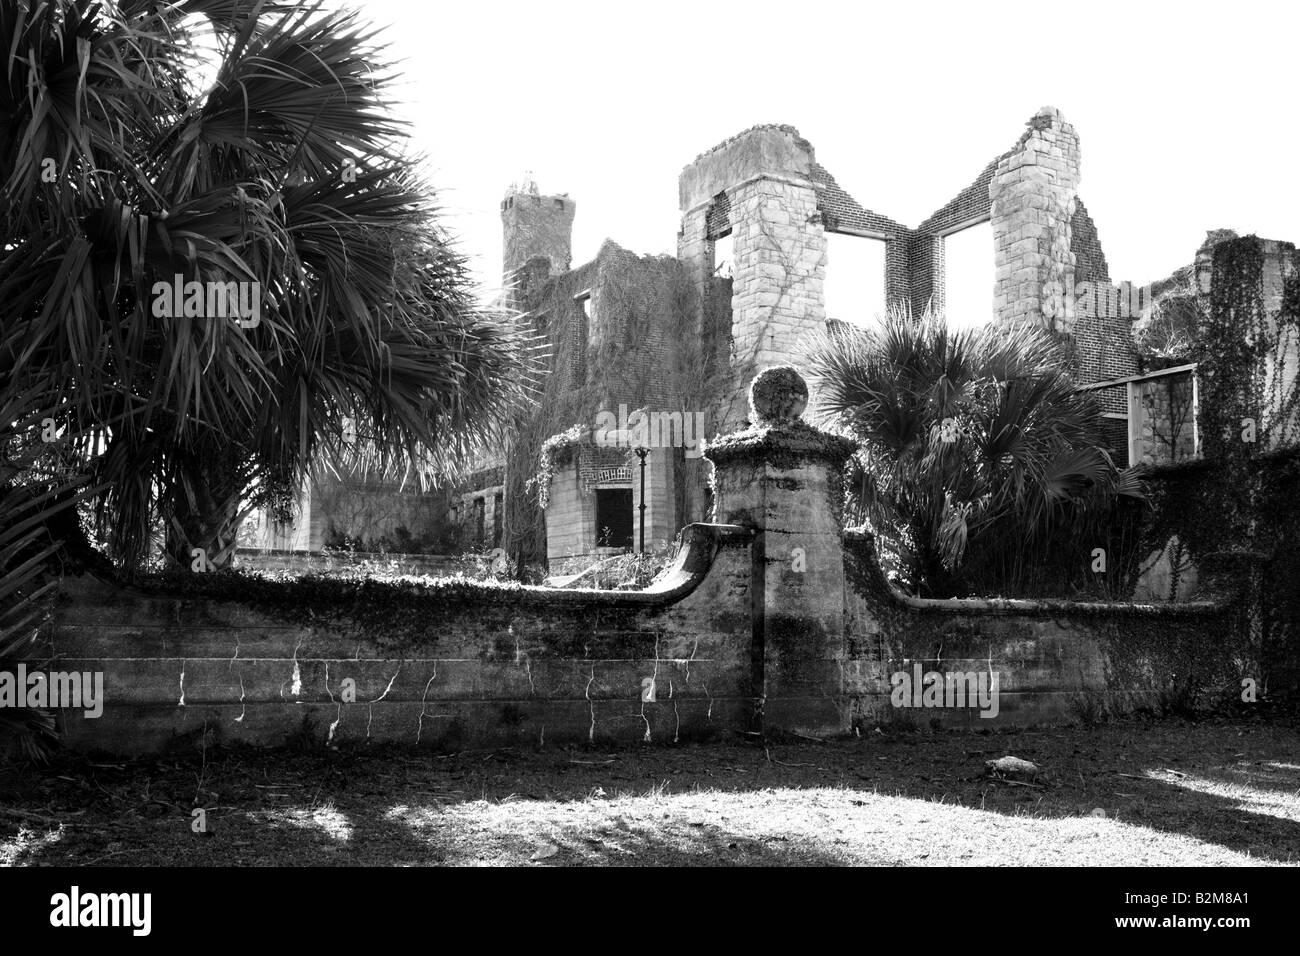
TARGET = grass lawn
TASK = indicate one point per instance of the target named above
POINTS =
(1174, 793)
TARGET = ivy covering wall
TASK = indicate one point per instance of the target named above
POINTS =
(1238, 509)
(641, 346)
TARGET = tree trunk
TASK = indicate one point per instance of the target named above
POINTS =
(203, 518)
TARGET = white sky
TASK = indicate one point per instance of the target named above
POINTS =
(1185, 111)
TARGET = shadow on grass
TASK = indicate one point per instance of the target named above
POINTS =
(1229, 786)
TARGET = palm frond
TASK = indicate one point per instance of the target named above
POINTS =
(981, 461)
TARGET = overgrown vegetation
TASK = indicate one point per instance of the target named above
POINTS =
(393, 611)
(643, 351)
(620, 572)
(37, 495)
(1241, 501)
(119, 171)
(1168, 336)
(981, 469)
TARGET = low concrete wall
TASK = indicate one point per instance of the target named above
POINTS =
(510, 666)
(497, 666)
(1056, 662)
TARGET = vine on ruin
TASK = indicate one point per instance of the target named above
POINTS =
(645, 350)
(1240, 499)
(552, 453)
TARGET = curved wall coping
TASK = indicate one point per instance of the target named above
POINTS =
(864, 542)
(700, 545)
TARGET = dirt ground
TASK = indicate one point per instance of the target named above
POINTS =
(1162, 793)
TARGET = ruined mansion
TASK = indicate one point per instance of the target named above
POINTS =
(649, 356)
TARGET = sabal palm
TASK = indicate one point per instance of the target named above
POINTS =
(978, 456)
(289, 172)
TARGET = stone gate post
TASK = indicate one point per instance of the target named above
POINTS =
(783, 478)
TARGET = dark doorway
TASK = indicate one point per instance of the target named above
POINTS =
(497, 514)
(614, 517)
(478, 521)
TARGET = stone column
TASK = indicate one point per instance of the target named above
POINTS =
(783, 478)
(1033, 199)
(779, 244)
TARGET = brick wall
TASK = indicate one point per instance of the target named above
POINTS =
(842, 213)
(568, 328)
(1089, 260)
(1103, 345)
(717, 218)
(898, 271)
(1103, 350)
(925, 263)
(973, 204)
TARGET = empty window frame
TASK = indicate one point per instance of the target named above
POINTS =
(581, 337)
(855, 278)
(969, 274)
(724, 256)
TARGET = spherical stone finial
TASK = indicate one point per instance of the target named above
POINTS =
(777, 394)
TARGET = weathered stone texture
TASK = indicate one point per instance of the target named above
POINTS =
(537, 226)
(780, 251)
(519, 668)
(774, 621)
(1032, 204)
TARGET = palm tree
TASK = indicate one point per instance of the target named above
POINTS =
(41, 485)
(980, 466)
(118, 172)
